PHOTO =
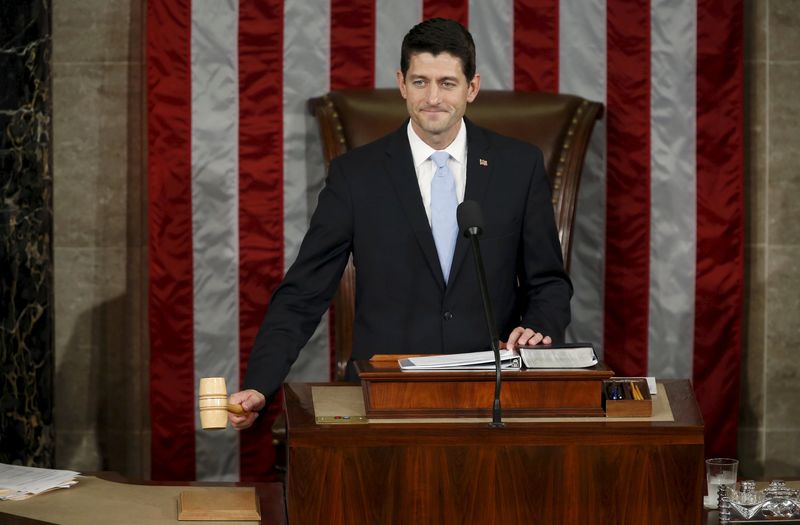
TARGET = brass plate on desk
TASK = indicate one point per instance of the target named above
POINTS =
(341, 420)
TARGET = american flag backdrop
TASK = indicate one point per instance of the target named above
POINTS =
(235, 167)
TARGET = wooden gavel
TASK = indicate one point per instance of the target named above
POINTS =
(213, 403)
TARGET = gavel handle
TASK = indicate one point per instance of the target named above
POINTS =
(237, 409)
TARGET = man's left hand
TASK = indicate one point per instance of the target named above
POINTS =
(526, 336)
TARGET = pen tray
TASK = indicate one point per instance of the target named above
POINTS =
(627, 406)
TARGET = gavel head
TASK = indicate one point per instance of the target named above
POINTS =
(213, 403)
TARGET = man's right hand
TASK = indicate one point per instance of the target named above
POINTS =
(252, 401)
(526, 336)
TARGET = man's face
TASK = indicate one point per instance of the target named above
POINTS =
(436, 92)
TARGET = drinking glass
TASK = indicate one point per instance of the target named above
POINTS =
(719, 471)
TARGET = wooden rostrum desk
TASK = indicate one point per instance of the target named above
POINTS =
(581, 470)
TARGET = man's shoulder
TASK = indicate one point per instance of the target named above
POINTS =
(372, 151)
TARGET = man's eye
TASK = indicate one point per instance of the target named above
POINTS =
(448, 85)
(419, 83)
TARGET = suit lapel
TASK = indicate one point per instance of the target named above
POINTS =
(400, 166)
(479, 170)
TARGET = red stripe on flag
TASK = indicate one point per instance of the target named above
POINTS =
(457, 10)
(536, 45)
(260, 199)
(352, 54)
(170, 243)
(719, 274)
(628, 186)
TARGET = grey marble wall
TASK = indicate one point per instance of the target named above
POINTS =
(100, 234)
(26, 222)
(769, 434)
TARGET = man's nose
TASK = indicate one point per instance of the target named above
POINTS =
(433, 94)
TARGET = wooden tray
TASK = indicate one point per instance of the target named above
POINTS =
(628, 407)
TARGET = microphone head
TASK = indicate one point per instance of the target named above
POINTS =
(470, 218)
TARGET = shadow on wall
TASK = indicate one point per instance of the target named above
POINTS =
(101, 393)
(99, 404)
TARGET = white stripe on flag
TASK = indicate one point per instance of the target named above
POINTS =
(673, 185)
(305, 74)
(582, 71)
(215, 241)
(393, 19)
(492, 28)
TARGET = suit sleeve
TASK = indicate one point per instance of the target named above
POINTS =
(297, 305)
(545, 288)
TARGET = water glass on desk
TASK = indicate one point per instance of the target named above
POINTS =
(719, 471)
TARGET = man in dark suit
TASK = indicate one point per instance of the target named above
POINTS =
(391, 204)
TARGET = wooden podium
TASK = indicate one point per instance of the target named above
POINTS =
(390, 392)
(577, 470)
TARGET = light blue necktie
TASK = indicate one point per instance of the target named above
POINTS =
(443, 211)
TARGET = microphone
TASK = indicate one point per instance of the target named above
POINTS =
(470, 223)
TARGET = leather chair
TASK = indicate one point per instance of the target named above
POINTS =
(559, 124)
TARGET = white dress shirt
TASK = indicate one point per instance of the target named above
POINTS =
(426, 168)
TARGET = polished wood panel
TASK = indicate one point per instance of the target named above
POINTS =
(391, 393)
(581, 472)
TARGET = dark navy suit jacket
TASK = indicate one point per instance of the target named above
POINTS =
(371, 207)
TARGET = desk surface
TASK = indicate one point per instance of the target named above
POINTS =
(96, 500)
(687, 425)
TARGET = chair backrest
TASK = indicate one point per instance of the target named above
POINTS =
(559, 124)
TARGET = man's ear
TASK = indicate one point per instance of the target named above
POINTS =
(473, 87)
(401, 82)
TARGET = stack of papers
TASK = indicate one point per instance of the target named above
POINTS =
(18, 482)
(509, 360)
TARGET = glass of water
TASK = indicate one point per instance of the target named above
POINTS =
(719, 471)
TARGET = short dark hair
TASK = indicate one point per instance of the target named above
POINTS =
(439, 35)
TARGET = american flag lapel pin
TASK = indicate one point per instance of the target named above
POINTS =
(483, 162)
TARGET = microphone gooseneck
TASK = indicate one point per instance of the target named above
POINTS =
(470, 223)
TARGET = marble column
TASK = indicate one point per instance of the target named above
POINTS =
(26, 225)
(769, 431)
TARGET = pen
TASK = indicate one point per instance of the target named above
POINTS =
(637, 394)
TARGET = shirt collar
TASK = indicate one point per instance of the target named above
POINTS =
(421, 152)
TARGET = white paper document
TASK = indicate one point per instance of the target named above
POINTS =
(509, 360)
(558, 357)
(17, 482)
